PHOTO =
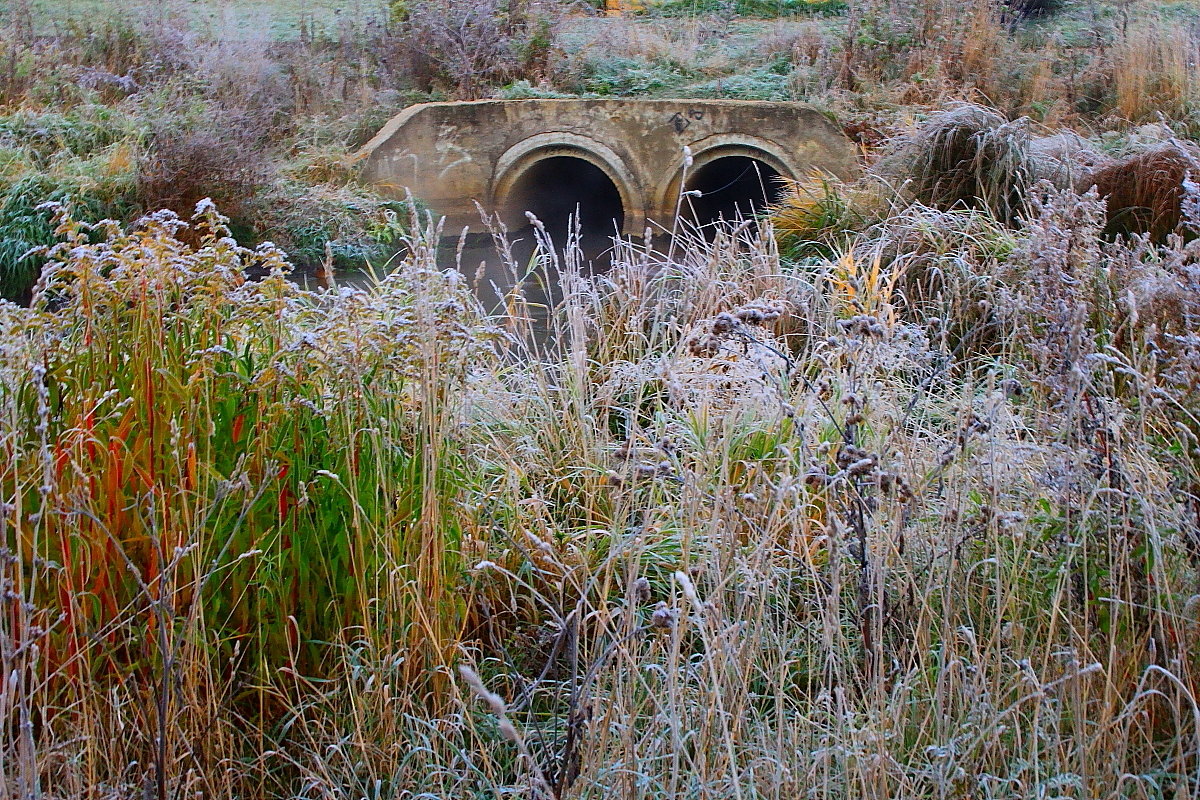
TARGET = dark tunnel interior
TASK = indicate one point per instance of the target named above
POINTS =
(732, 187)
(556, 188)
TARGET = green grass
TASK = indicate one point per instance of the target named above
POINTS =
(84, 157)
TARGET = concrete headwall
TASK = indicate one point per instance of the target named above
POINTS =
(451, 155)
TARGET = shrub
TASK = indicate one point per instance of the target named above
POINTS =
(471, 46)
(198, 150)
(1145, 191)
(524, 90)
(310, 221)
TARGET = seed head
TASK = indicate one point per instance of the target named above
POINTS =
(724, 323)
(664, 617)
(704, 346)
(640, 591)
(494, 701)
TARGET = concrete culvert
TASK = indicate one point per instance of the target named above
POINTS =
(556, 188)
(731, 187)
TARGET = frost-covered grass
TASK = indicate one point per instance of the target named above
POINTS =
(735, 528)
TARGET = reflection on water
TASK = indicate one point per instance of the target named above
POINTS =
(492, 274)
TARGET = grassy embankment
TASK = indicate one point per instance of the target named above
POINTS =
(127, 109)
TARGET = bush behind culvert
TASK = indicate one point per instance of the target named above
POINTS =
(470, 47)
(202, 149)
(965, 157)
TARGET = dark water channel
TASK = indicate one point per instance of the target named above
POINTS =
(493, 274)
(558, 188)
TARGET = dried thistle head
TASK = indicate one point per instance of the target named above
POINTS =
(664, 618)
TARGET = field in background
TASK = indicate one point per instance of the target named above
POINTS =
(235, 19)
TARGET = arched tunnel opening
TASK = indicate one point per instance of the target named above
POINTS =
(731, 188)
(555, 189)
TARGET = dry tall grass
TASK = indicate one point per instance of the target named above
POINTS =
(733, 529)
(1157, 72)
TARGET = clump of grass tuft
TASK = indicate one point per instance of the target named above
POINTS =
(819, 217)
(1145, 191)
(966, 157)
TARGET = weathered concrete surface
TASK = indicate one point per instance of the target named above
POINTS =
(450, 155)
